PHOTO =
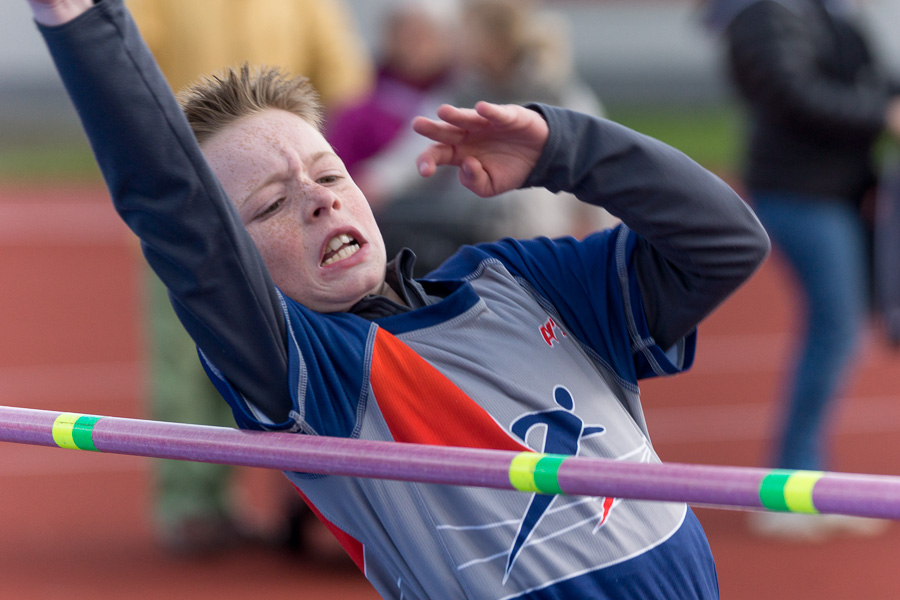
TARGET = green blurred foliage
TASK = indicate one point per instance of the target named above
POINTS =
(712, 135)
(45, 162)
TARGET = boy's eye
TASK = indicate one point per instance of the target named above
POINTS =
(271, 209)
(326, 179)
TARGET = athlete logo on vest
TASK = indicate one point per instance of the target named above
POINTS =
(563, 435)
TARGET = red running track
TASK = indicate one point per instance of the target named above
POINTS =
(75, 524)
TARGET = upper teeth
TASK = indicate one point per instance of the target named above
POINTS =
(338, 242)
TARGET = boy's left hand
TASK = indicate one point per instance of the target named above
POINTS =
(494, 146)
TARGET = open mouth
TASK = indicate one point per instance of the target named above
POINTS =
(340, 247)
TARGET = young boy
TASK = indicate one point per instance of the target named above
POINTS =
(277, 269)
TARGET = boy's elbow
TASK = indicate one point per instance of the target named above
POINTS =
(757, 247)
(762, 246)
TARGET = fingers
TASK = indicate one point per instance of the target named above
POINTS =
(468, 119)
(464, 138)
(452, 128)
(498, 114)
(440, 153)
(438, 131)
(461, 117)
(434, 156)
(471, 172)
(473, 176)
(455, 122)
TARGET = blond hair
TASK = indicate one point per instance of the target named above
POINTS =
(215, 101)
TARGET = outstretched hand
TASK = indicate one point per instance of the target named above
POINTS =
(494, 146)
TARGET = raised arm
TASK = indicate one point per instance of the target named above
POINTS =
(698, 240)
(164, 190)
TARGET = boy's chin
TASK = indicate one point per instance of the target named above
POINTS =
(339, 302)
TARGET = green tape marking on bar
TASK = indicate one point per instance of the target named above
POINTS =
(535, 472)
(771, 490)
(546, 473)
(74, 431)
(786, 490)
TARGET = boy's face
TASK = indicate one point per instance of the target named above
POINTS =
(310, 221)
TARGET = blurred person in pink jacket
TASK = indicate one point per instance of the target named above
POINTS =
(415, 62)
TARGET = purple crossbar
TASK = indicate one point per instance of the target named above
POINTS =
(717, 486)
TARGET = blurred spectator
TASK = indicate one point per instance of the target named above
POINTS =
(515, 52)
(508, 52)
(817, 103)
(194, 508)
(316, 38)
(416, 56)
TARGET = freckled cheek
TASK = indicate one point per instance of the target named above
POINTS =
(283, 250)
(292, 250)
(286, 268)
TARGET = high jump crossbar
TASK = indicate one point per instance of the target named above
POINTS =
(705, 485)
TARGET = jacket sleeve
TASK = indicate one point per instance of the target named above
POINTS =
(697, 241)
(774, 55)
(163, 189)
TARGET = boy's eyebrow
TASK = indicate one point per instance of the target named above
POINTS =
(317, 156)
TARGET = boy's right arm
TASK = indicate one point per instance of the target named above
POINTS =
(166, 193)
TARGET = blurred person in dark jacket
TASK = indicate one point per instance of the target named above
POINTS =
(817, 104)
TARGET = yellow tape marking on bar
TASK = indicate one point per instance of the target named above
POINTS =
(62, 430)
(798, 491)
(521, 471)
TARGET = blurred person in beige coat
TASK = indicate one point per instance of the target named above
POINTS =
(315, 38)
(508, 52)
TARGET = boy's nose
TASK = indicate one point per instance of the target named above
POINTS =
(321, 202)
